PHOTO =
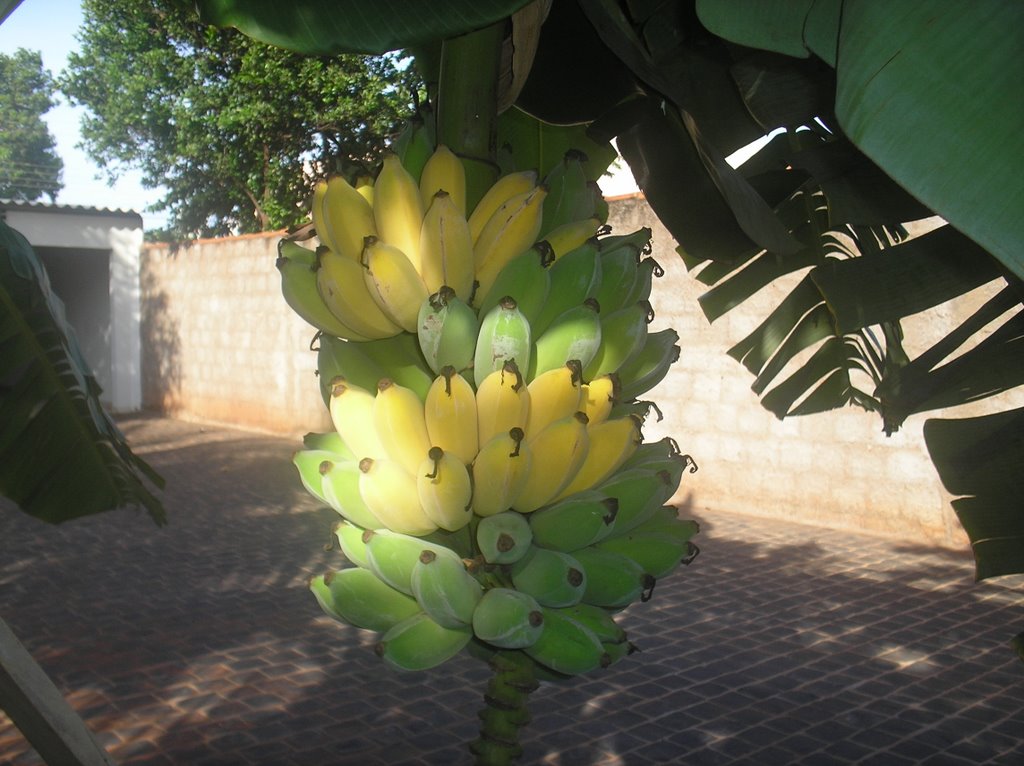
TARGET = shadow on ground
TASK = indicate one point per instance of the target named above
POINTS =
(198, 643)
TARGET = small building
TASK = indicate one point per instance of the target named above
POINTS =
(92, 258)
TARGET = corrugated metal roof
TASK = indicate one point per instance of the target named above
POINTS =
(49, 207)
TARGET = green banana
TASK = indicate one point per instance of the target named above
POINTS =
(445, 590)
(350, 540)
(525, 279)
(508, 619)
(504, 336)
(420, 643)
(346, 358)
(401, 360)
(646, 271)
(657, 553)
(614, 581)
(330, 441)
(639, 242)
(640, 492)
(573, 278)
(618, 277)
(358, 597)
(299, 287)
(415, 144)
(340, 487)
(308, 462)
(574, 334)
(566, 645)
(650, 365)
(623, 334)
(392, 556)
(569, 197)
(447, 330)
(552, 577)
(503, 538)
(600, 622)
(575, 521)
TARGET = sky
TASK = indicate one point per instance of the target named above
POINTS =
(50, 26)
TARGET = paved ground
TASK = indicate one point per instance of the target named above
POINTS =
(198, 644)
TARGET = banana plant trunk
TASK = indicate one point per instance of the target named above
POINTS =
(467, 113)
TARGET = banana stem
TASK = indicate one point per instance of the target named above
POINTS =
(467, 104)
(506, 710)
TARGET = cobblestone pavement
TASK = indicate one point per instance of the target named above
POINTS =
(198, 644)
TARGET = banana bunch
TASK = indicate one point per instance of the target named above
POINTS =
(482, 369)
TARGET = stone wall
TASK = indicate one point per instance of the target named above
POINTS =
(837, 468)
(219, 342)
(220, 345)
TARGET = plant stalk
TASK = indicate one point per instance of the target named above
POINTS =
(505, 711)
(467, 104)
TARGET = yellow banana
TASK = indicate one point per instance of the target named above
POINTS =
(451, 415)
(612, 443)
(445, 489)
(444, 171)
(390, 493)
(556, 455)
(393, 282)
(500, 472)
(342, 285)
(502, 402)
(351, 409)
(348, 217)
(503, 189)
(297, 266)
(364, 185)
(511, 230)
(569, 236)
(398, 209)
(554, 395)
(400, 425)
(599, 396)
(446, 248)
(316, 210)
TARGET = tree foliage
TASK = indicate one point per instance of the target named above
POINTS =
(29, 164)
(234, 130)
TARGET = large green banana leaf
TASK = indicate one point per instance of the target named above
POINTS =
(914, 78)
(323, 27)
(61, 456)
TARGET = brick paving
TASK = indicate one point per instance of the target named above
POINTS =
(783, 643)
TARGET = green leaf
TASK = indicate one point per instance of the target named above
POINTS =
(930, 90)
(818, 376)
(888, 285)
(793, 27)
(61, 456)
(536, 144)
(327, 27)
(7, 7)
(980, 459)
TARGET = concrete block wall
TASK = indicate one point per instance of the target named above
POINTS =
(836, 468)
(220, 344)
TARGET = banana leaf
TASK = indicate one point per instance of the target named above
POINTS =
(917, 80)
(6, 7)
(540, 145)
(61, 455)
(979, 459)
(327, 27)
